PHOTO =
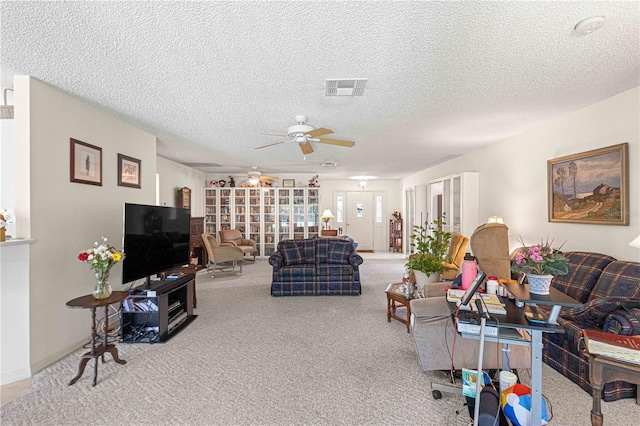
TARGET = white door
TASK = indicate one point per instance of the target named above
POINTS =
(360, 217)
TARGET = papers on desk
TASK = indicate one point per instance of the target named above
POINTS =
(492, 303)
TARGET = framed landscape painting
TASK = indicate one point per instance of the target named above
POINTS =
(129, 171)
(591, 187)
(85, 163)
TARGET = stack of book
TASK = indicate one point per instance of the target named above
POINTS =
(491, 302)
(611, 345)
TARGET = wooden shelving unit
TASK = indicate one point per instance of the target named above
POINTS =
(395, 235)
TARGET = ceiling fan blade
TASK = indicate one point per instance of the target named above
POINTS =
(338, 142)
(270, 144)
(319, 132)
(306, 148)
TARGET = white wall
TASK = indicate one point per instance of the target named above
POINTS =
(172, 177)
(65, 217)
(513, 175)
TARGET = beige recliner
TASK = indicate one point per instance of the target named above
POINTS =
(431, 323)
(219, 257)
(233, 238)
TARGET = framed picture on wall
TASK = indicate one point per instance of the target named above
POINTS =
(85, 163)
(590, 187)
(129, 171)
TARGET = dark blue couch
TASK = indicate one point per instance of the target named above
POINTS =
(315, 266)
(610, 291)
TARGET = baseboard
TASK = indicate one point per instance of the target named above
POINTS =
(14, 376)
(365, 251)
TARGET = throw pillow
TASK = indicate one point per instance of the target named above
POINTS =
(339, 252)
(291, 254)
(595, 311)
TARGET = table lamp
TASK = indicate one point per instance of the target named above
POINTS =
(326, 217)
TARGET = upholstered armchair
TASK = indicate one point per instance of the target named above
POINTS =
(431, 323)
(233, 238)
(219, 256)
(457, 249)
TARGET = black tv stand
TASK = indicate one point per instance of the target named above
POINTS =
(149, 318)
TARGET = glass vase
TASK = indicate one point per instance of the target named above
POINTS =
(102, 289)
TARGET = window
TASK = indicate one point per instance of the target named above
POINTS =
(379, 208)
(340, 208)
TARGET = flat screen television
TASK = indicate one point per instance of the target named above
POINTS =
(155, 239)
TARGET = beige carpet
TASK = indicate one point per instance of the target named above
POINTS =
(252, 359)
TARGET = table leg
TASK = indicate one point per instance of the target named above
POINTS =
(595, 377)
(408, 317)
(93, 344)
(536, 377)
(388, 309)
(81, 367)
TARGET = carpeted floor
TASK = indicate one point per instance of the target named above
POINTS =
(252, 359)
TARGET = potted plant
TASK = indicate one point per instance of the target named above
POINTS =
(540, 263)
(431, 243)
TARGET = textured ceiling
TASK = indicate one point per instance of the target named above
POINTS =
(212, 80)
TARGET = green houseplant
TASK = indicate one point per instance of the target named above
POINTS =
(431, 243)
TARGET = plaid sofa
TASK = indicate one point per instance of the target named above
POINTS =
(315, 266)
(610, 291)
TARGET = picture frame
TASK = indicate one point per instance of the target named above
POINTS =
(288, 183)
(591, 187)
(129, 171)
(85, 163)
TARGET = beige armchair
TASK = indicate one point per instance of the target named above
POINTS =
(431, 323)
(457, 249)
(220, 256)
(233, 238)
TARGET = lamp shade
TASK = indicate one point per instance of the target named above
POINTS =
(635, 243)
(326, 215)
(495, 219)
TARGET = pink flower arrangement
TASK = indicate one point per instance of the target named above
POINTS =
(540, 259)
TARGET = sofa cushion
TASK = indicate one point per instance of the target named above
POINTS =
(335, 271)
(584, 271)
(291, 253)
(339, 251)
(307, 249)
(619, 278)
(301, 272)
(623, 321)
(593, 313)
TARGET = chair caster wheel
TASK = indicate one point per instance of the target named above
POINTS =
(436, 394)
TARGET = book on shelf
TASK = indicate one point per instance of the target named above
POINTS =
(611, 345)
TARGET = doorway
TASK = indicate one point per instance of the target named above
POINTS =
(359, 218)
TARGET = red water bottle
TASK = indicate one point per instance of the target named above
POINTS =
(469, 270)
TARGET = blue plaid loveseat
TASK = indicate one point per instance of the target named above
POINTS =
(315, 266)
(610, 291)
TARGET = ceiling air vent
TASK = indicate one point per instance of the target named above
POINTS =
(201, 165)
(346, 86)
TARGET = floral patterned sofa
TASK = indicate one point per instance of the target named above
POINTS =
(315, 266)
(610, 291)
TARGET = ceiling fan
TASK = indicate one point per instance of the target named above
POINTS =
(303, 134)
(254, 177)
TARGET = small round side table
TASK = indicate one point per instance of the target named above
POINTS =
(89, 302)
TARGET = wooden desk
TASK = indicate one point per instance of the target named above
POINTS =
(329, 233)
(604, 370)
(89, 302)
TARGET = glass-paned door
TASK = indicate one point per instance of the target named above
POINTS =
(240, 210)
(269, 205)
(284, 212)
(455, 220)
(211, 211)
(298, 214)
(254, 218)
(225, 209)
(313, 212)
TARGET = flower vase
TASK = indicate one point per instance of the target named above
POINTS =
(103, 288)
(539, 284)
